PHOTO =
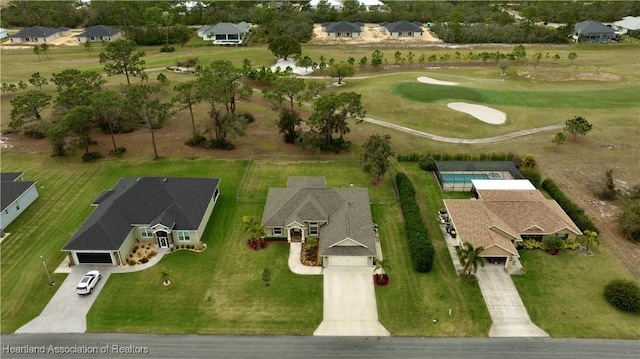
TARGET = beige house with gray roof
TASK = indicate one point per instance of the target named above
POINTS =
(339, 217)
(505, 212)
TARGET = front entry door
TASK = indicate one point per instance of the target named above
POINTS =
(163, 242)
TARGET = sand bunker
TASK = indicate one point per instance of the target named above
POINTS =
(482, 113)
(283, 64)
(429, 80)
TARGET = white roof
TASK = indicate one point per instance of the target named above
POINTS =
(516, 184)
(371, 2)
(332, 3)
(629, 23)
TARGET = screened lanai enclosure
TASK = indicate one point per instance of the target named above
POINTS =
(457, 175)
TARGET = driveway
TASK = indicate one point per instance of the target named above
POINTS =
(509, 316)
(349, 307)
(67, 310)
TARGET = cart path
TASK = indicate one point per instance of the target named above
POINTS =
(430, 136)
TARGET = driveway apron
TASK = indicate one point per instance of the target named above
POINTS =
(509, 316)
(66, 311)
(349, 307)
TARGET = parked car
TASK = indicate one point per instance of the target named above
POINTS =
(88, 282)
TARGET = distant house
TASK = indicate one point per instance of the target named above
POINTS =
(165, 211)
(3, 33)
(201, 31)
(17, 195)
(339, 217)
(225, 33)
(629, 25)
(100, 33)
(594, 32)
(403, 29)
(38, 34)
(335, 4)
(503, 213)
(343, 29)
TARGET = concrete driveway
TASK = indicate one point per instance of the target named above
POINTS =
(509, 316)
(349, 307)
(67, 311)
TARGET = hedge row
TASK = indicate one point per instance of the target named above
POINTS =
(494, 156)
(574, 211)
(422, 251)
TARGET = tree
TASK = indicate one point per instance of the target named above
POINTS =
(266, 277)
(591, 238)
(503, 66)
(330, 115)
(376, 58)
(383, 265)
(536, 58)
(529, 161)
(143, 102)
(314, 87)
(254, 228)
(572, 56)
(88, 46)
(27, 105)
(287, 123)
(37, 80)
(38, 51)
(165, 275)
(470, 258)
(44, 49)
(519, 53)
(283, 46)
(79, 121)
(75, 88)
(186, 96)
(305, 62)
(608, 191)
(57, 133)
(577, 126)
(375, 159)
(558, 139)
(107, 106)
(120, 56)
(287, 88)
(341, 70)
(628, 219)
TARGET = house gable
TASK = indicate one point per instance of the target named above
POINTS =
(348, 242)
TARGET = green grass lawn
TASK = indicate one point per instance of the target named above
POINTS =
(564, 294)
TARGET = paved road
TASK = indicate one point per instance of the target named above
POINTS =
(284, 347)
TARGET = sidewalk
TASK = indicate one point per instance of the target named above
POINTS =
(295, 250)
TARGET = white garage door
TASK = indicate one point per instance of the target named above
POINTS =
(335, 261)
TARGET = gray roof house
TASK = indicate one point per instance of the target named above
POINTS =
(17, 195)
(37, 35)
(100, 33)
(339, 217)
(403, 29)
(165, 211)
(594, 32)
(343, 29)
(226, 33)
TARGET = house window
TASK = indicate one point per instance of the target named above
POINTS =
(409, 33)
(535, 237)
(145, 232)
(277, 231)
(313, 229)
(92, 38)
(17, 207)
(562, 235)
(183, 236)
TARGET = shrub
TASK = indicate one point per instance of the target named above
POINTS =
(196, 140)
(552, 243)
(574, 212)
(427, 163)
(131, 262)
(624, 295)
(118, 152)
(247, 116)
(35, 130)
(167, 48)
(530, 244)
(91, 156)
(220, 144)
(144, 260)
(532, 175)
(628, 220)
(422, 251)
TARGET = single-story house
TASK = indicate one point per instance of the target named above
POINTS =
(166, 211)
(628, 25)
(39, 34)
(595, 32)
(3, 33)
(335, 4)
(100, 33)
(201, 31)
(339, 217)
(343, 29)
(401, 29)
(226, 33)
(504, 212)
(17, 195)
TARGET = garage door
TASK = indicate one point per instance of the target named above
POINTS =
(94, 258)
(335, 261)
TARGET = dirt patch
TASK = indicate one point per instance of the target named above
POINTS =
(560, 75)
(373, 33)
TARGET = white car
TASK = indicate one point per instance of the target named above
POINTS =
(88, 282)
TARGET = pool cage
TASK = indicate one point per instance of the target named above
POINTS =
(457, 175)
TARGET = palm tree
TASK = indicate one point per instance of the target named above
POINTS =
(591, 238)
(470, 258)
(254, 228)
(383, 265)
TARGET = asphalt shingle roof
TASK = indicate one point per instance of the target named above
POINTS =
(592, 27)
(343, 26)
(402, 26)
(99, 30)
(179, 203)
(12, 190)
(228, 28)
(35, 31)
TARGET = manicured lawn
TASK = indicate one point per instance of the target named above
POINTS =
(564, 294)
(421, 92)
